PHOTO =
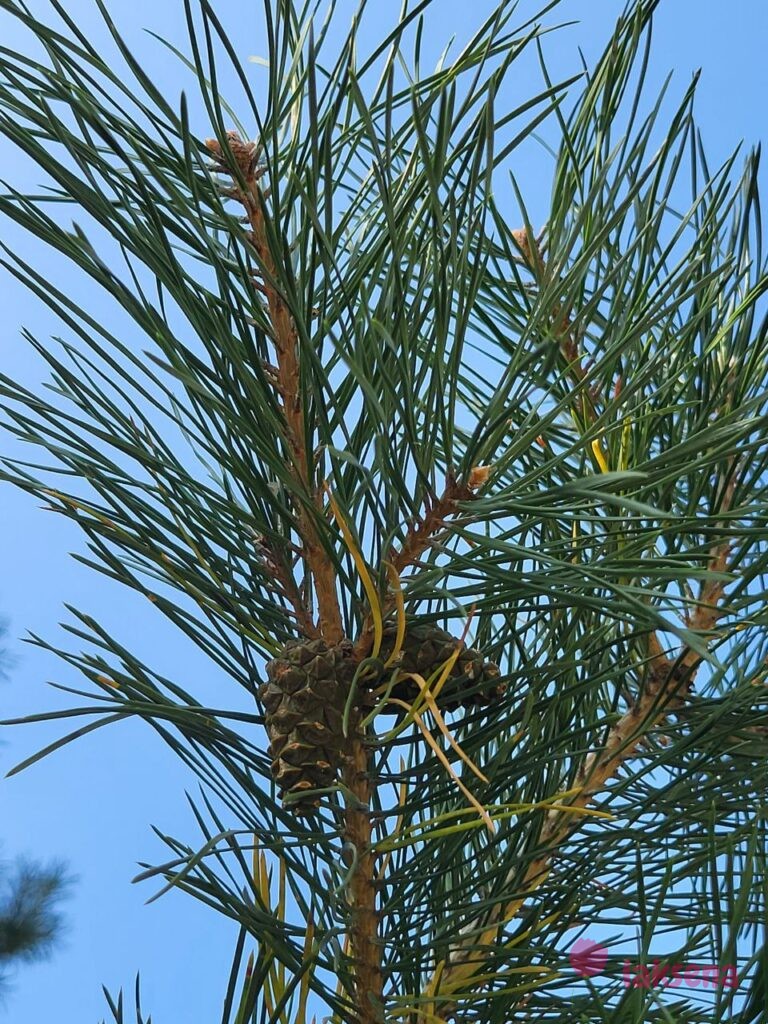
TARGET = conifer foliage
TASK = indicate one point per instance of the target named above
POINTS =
(470, 508)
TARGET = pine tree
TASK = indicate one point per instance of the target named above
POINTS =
(30, 900)
(472, 509)
(30, 921)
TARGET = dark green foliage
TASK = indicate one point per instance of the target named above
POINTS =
(30, 920)
(607, 373)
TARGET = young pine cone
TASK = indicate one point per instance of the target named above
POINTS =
(426, 647)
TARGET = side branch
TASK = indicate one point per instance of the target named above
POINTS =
(420, 535)
(419, 538)
(287, 382)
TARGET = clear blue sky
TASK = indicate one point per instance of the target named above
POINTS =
(92, 804)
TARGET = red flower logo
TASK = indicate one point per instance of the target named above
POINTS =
(588, 958)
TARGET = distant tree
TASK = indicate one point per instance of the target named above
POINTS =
(357, 409)
(30, 920)
(30, 898)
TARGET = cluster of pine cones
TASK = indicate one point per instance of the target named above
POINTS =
(307, 689)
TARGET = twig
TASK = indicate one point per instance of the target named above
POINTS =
(419, 535)
(287, 382)
(275, 563)
(419, 538)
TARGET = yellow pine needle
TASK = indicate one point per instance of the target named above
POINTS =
(80, 507)
(339, 982)
(460, 972)
(447, 765)
(540, 925)
(510, 944)
(517, 737)
(262, 880)
(274, 982)
(428, 1011)
(597, 451)
(269, 1001)
(362, 569)
(421, 1011)
(450, 661)
(626, 431)
(430, 702)
(587, 812)
(426, 694)
(479, 979)
(503, 812)
(240, 1018)
(106, 681)
(433, 686)
(301, 1011)
(397, 589)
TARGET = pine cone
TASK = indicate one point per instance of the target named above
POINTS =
(426, 647)
(245, 154)
(304, 703)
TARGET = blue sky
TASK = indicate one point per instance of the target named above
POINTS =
(92, 804)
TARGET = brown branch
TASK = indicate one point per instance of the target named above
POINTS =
(287, 585)
(419, 538)
(420, 535)
(365, 940)
(287, 381)
(364, 926)
(285, 377)
(667, 683)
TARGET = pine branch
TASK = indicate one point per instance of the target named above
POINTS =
(363, 934)
(398, 330)
(421, 533)
(288, 379)
(364, 939)
(420, 537)
(668, 680)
